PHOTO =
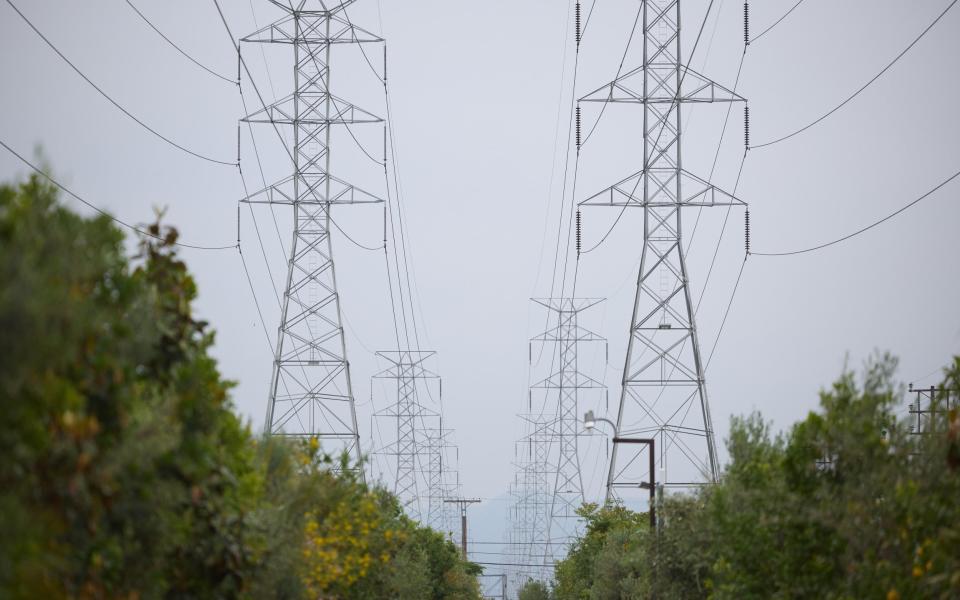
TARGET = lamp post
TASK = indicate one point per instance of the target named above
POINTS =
(590, 422)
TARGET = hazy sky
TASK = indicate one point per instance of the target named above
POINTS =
(476, 88)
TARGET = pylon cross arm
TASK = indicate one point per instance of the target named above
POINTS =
(286, 31)
(630, 192)
(695, 88)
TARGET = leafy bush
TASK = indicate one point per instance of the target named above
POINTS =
(534, 590)
(847, 504)
(124, 470)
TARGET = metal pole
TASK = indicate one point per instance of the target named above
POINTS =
(653, 487)
(463, 531)
(652, 484)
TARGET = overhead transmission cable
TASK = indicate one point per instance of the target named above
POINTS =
(566, 178)
(553, 162)
(99, 210)
(858, 232)
(395, 201)
(110, 99)
(777, 22)
(178, 48)
(862, 88)
(263, 52)
(863, 229)
(250, 78)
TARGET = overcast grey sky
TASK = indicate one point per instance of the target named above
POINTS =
(476, 90)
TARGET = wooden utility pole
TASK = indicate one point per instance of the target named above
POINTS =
(464, 503)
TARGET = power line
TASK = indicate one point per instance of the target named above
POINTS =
(408, 275)
(178, 48)
(256, 302)
(777, 22)
(862, 88)
(633, 31)
(863, 229)
(507, 564)
(553, 162)
(103, 212)
(253, 83)
(111, 100)
(347, 235)
(726, 313)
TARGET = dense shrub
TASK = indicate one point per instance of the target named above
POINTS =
(124, 470)
(847, 504)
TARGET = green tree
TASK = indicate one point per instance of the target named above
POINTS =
(124, 467)
(124, 470)
(534, 590)
(579, 572)
(846, 504)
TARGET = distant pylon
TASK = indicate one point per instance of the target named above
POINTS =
(441, 475)
(563, 388)
(410, 448)
(311, 393)
(663, 393)
(532, 489)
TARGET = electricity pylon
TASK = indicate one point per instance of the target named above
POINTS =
(663, 393)
(406, 368)
(419, 445)
(532, 488)
(442, 477)
(563, 388)
(311, 394)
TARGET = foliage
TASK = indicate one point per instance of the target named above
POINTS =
(125, 472)
(534, 590)
(610, 526)
(847, 504)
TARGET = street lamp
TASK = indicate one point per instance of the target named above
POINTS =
(590, 422)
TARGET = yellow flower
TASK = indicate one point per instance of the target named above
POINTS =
(893, 595)
(918, 571)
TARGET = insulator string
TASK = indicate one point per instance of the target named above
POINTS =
(578, 129)
(578, 235)
(578, 25)
(746, 23)
(746, 224)
(746, 127)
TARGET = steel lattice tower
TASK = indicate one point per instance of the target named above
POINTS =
(531, 489)
(563, 388)
(442, 481)
(406, 368)
(310, 390)
(419, 444)
(663, 394)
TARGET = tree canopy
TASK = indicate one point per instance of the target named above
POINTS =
(849, 503)
(125, 471)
